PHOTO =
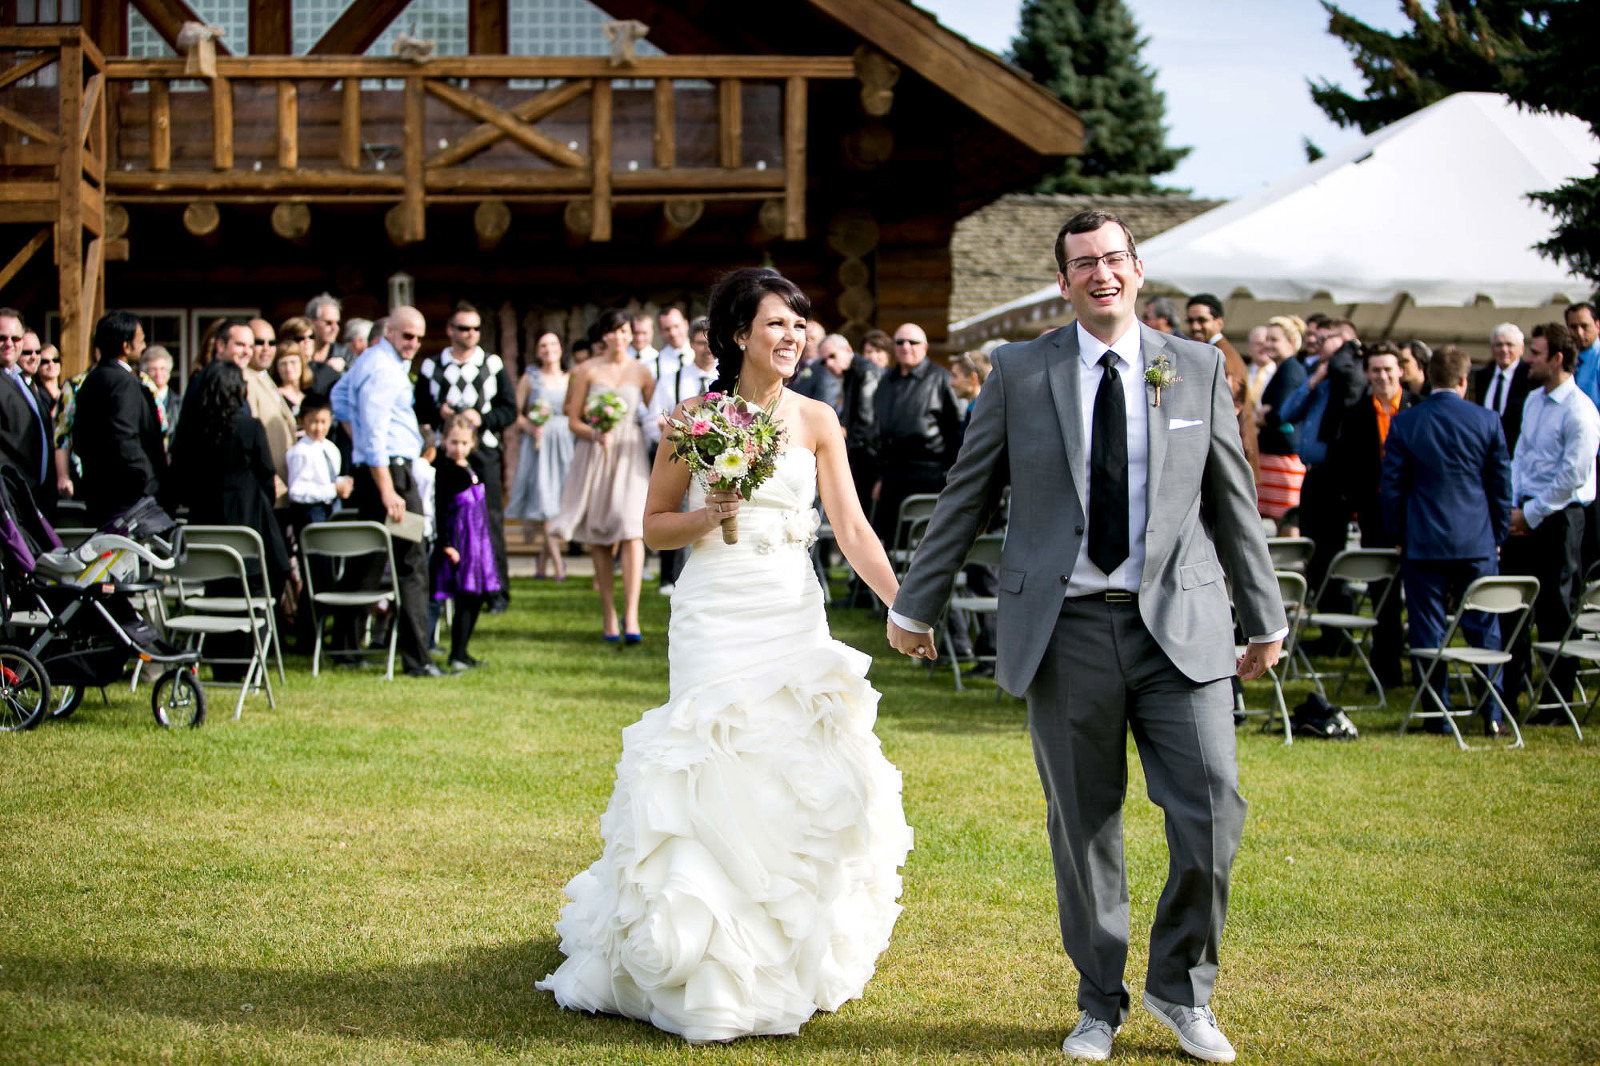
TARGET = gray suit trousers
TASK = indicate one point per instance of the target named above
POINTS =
(1102, 674)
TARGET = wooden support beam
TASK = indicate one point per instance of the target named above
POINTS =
(413, 212)
(490, 222)
(23, 69)
(91, 102)
(488, 134)
(288, 125)
(160, 104)
(37, 191)
(37, 211)
(730, 122)
(794, 159)
(209, 183)
(578, 218)
(94, 292)
(525, 135)
(362, 23)
(117, 251)
(676, 218)
(26, 126)
(666, 131)
(117, 222)
(270, 32)
(104, 22)
(222, 124)
(486, 30)
(600, 160)
(291, 222)
(332, 67)
(202, 218)
(350, 125)
(20, 260)
(69, 225)
(167, 17)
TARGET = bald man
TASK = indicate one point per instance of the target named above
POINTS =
(918, 428)
(386, 441)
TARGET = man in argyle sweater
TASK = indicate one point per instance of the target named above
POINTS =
(464, 378)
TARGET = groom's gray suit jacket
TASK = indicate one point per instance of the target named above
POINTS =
(1026, 429)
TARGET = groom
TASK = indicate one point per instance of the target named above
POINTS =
(1129, 503)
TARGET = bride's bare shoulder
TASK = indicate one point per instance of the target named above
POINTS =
(812, 423)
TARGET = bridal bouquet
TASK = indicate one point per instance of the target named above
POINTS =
(728, 444)
(604, 411)
(540, 412)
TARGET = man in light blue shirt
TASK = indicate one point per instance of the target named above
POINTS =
(1580, 322)
(1552, 480)
(385, 441)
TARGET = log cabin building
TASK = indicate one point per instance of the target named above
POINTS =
(541, 158)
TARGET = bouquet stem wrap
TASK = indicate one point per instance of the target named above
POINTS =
(730, 530)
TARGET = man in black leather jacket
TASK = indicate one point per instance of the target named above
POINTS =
(918, 428)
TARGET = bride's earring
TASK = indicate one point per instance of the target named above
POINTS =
(741, 347)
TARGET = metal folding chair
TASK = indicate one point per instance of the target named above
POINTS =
(198, 564)
(1500, 596)
(1290, 553)
(1292, 589)
(985, 551)
(1357, 569)
(1578, 642)
(247, 542)
(343, 541)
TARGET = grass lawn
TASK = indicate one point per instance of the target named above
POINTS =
(370, 873)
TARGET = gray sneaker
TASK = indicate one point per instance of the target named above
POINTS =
(1091, 1039)
(1196, 1028)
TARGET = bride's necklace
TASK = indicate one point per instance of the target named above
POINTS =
(771, 408)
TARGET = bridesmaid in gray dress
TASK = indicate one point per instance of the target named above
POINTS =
(602, 503)
(545, 454)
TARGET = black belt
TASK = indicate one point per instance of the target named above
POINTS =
(1107, 596)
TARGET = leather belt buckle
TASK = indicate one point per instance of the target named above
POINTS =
(1118, 596)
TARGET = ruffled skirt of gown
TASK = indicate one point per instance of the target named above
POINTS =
(753, 841)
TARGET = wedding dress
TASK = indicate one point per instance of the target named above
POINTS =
(753, 841)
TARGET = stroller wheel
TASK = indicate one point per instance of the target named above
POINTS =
(24, 690)
(178, 699)
(67, 700)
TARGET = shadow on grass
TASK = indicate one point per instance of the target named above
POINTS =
(483, 996)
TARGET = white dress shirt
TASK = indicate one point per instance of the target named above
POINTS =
(1088, 578)
(1502, 381)
(1554, 464)
(689, 382)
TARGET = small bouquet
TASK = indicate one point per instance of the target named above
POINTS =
(1160, 375)
(728, 444)
(540, 412)
(604, 411)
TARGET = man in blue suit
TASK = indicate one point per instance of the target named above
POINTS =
(1446, 495)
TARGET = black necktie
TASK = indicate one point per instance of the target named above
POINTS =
(1108, 472)
(1494, 397)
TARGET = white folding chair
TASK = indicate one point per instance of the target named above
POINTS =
(341, 542)
(1292, 590)
(914, 509)
(1356, 569)
(1291, 553)
(985, 551)
(1499, 596)
(1578, 642)
(197, 564)
(247, 542)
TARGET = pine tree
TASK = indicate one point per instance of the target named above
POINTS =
(1087, 53)
(1538, 54)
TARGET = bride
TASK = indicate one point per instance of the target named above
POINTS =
(754, 837)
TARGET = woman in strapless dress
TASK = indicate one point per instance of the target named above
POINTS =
(753, 843)
(602, 502)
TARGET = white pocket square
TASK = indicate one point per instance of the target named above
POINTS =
(1184, 423)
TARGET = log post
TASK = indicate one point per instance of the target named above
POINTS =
(676, 218)
(578, 218)
(730, 122)
(160, 125)
(221, 124)
(666, 138)
(291, 221)
(413, 210)
(116, 222)
(350, 125)
(288, 125)
(75, 331)
(794, 159)
(877, 76)
(490, 222)
(600, 159)
(202, 218)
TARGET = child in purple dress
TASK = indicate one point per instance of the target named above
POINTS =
(463, 557)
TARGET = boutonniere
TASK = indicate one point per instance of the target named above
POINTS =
(1159, 375)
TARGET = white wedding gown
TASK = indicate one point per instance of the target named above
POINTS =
(754, 838)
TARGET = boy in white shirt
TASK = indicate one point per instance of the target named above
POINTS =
(315, 484)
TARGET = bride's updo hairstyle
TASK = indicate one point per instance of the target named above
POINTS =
(734, 302)
(608, 322)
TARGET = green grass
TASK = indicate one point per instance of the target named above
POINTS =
(370, 874)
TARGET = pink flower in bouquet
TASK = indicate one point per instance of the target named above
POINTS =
(712, 396)
(739, 416)
(700, 428)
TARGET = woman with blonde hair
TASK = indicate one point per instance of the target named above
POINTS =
(1281, 471)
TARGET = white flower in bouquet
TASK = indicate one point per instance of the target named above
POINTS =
(731, 465)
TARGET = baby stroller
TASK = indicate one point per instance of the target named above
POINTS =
(68, 614)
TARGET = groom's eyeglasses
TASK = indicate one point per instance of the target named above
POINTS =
(1085, 264)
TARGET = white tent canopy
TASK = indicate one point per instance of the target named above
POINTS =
(1433, 207)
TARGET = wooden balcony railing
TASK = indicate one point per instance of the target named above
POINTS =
(675, 130)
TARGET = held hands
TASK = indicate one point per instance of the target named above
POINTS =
(916, 645)
(1258, 659)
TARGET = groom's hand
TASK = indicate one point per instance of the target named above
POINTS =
(916, 645)
(1258, 659)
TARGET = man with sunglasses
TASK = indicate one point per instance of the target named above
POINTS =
(329, 359)
(467, 380)
(918, 428)
(386, 441)
(24, 430)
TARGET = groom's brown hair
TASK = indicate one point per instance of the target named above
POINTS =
(1087, 222)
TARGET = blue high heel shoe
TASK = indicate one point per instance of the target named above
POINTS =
(633, 638)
